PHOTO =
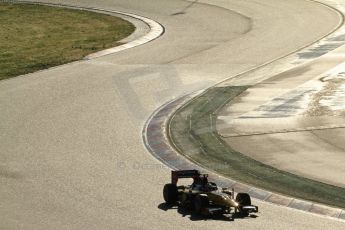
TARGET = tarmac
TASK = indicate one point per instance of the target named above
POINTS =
(71, 136)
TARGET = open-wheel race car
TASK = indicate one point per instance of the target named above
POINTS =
(205, 197)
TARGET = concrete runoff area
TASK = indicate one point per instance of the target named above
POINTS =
(71, 145)
(293, 121)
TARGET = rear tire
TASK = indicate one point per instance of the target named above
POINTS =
(243, 199)
(200, 203)
(170, 193)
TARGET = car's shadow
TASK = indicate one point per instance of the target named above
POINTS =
(188, 212)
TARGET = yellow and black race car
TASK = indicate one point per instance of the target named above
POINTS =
(205, 197)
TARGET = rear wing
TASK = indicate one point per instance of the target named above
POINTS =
(175, 175)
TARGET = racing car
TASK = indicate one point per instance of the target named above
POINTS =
(205, 197)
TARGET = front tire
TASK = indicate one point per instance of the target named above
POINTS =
(170, 193)
(243, 199)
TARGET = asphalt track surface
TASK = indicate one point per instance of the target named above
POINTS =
(72, 155)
